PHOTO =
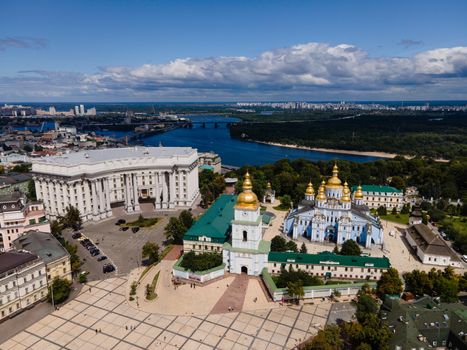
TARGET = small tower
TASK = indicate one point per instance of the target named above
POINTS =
(334, 185)
(269, 194)
(358, 196)
(310, 192)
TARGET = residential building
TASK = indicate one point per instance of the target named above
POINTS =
(12, 182)
(375, 196)
(100, 182)
(49, 249)
(329, 265)
(209, 161)
(17, 216)
(333, 216)
(430, 247)
(23, 282)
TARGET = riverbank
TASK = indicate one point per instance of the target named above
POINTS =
(383, 155)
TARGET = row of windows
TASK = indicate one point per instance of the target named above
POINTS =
(28, 302)
(327, 268)
(383, 199)
(323, 274)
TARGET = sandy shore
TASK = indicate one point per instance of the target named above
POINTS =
(342, 151)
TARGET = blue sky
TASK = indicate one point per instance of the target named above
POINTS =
(232, 50)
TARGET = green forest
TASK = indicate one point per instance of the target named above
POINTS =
(436, 135)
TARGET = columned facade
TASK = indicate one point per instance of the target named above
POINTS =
(97, 181)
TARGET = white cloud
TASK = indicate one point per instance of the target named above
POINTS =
(305, 71)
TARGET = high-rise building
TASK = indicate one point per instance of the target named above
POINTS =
(76, 110)
(81, 109)
(52, 110)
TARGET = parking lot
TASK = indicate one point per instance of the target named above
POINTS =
(123, 248)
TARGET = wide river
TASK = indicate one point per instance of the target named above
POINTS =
(233, 151)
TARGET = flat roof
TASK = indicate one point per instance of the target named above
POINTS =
(378, 188)
(328, 258)
(215, 223)
(100, 155)
(43, 244)
(13, 259)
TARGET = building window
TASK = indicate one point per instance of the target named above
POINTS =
(245, 236)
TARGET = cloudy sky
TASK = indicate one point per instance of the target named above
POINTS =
(232, 50)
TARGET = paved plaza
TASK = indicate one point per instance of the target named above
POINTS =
(100, 318)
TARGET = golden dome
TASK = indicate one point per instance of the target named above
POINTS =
(358, 193)
(321, 193)
(247, 199)
(334, 181)
(346, 193)
(309, 190)
(268, 186)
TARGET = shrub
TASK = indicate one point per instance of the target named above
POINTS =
(201, 262)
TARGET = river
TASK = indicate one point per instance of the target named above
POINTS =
(233, 151)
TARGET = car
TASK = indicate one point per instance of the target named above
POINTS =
(101, 258)
(464, 257)
(76, 235)
(94, 252)
(135, 229)
(124, 228)
(120, 222)
(108, 268)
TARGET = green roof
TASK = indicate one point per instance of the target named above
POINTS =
(206, 167)
(377, 188)
(328, 258)
(215, 223)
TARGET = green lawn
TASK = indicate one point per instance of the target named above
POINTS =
(142, 222)
(281, 208)
(459, 223)
(150, 288)
(399, 218)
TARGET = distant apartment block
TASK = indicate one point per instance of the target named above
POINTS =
(209, 161)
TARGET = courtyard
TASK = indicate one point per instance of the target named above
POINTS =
(100, 318)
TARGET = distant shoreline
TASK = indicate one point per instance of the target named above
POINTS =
(383, 155)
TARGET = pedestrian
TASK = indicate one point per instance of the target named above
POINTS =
(126, 327)
(96, 330)
(89, 289)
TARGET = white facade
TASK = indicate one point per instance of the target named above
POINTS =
(18, 216)
(98, 180)
(22, 284)
(247, 253)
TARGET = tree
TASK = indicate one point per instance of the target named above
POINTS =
(303, 249)
(286, 201)
(405, 209)
(295, 290)
(72, 218)
(350, 247)
(365, 305)
(31, 190)
(151, 252)
(390, 282)
(394, 211)
(278, 244)
(201, 262)
(61, 288)
(75, 261)
(382, 211)
(55, 228)
(206, 196)
(292, 246)
(174, 231)
(186, 218)
(328, 338)
(418, 282)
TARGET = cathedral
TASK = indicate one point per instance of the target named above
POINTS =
(333, 216)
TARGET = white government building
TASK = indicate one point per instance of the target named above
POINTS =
(100, 182)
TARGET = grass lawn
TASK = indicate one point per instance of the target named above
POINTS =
(281, 208)
(161, 256)
(399, 218)
(458, 222)
(150, 288)
(142, 222)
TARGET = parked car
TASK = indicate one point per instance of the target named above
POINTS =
(464, 257)
(108, 268)
(101, 258)
(95, 252)
(76, 235)
(120, 222)
(125, 228)
(135, 229)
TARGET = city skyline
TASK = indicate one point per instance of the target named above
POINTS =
(233, 51)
